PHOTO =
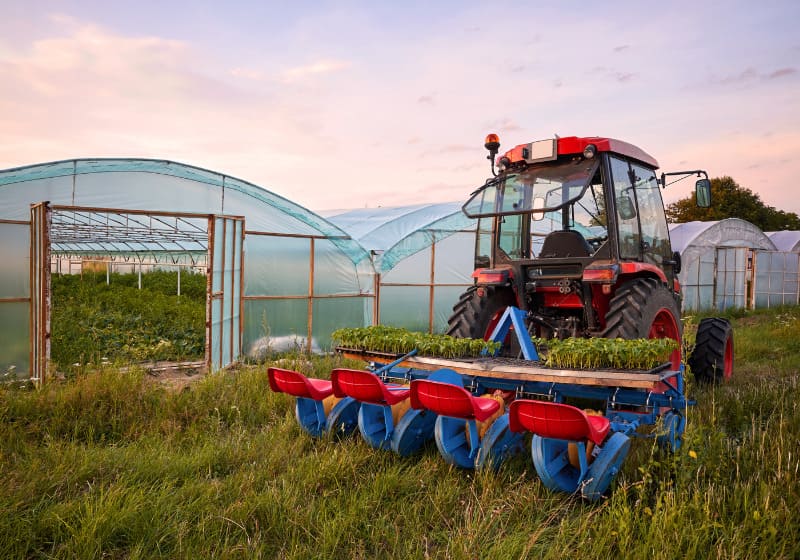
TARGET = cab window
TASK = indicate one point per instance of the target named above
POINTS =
(627, 216)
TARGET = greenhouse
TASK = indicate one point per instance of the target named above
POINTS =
(423, 259)
(274, 269)
(718, 263)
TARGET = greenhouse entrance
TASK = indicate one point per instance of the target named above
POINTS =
(140, 240)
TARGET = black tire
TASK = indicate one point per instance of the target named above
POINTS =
(711, 360)
(476, 308)
(637, 305)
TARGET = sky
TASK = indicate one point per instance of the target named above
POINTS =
(351, 104)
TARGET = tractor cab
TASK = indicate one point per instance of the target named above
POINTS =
(563, 226)
(568, 199)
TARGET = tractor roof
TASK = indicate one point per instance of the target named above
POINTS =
(575, 145)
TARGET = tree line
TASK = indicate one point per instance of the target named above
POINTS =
(731, 200)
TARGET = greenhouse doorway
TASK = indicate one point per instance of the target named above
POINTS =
(212, 243)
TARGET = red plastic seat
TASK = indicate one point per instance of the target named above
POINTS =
(451, 400)
(298, 385)
(366, 387)
(556, 420)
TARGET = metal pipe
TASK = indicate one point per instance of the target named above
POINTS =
(310, 295)
(431, 289)
(209, 273)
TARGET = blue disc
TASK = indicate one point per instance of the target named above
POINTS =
(606, 466)
(551, 460)
(673, 425)
(451, 439)
(372, 425)
(413, 430)
(498, 444)
(308, 412)
(343, 417)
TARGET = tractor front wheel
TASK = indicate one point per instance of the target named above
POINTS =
(645, 308)
(478, 310)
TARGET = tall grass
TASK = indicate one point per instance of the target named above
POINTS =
(113, 464)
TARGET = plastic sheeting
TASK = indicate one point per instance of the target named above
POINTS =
(159, 185)
(275, 265)
(424, 255)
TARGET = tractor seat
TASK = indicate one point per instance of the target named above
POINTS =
(298, 385)
(557, 421)
(563, 244)
(446, 399)
(366, 387)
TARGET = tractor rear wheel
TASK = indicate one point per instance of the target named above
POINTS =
(645, 308)
(478, 310)
(712, 358)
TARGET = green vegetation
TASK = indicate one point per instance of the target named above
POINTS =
(593, 353)
(730, 200)
(114, 465)
(569, 353)
(94, 322)
(381, 338)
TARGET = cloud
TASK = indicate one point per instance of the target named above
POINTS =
(615, 75)
(621, 48)
(314, 69)
(781, 73)
(248, 73)
(426, 100)
(751, 75)
(504, 125)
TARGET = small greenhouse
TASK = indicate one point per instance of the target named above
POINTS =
(274, 269)
(423, 259)
(718, 262)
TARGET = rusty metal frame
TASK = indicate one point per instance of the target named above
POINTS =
(39, 318)
(40, 257)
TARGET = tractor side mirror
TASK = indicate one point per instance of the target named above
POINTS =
(702, 193)
(674, 262)
(625, 207)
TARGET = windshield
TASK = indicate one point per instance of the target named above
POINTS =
(538, 189)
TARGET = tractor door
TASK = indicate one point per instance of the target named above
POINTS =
(641, 223)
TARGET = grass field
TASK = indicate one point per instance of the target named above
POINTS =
(116, 465)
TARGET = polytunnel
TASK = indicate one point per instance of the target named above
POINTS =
(274, 269)
(717, 262)
(788, 241)
(423, 258)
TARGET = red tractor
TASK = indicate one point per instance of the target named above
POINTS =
(573, 231)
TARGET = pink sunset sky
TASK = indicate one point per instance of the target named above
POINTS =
(350, 104)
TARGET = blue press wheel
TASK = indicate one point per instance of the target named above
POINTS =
(673, 426)
(343, 417)
(498, 444)
(451, 439)
(305, 410)
(551, 460)
(372, 425)
(606, 466)
(413, 430)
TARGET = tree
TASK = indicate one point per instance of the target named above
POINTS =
(730, 200)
